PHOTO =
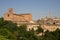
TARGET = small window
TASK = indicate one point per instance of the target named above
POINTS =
(54, 23)
(8, 15)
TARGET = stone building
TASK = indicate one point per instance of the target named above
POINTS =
(20, 19)
(17, 18)
(49, 23)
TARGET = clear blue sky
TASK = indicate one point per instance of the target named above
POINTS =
(38, 8)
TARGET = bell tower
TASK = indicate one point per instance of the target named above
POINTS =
(49, 14)
(10, 11)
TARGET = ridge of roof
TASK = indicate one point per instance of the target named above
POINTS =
(23, 14)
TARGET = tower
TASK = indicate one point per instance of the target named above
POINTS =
(10, 11)
(49, 14)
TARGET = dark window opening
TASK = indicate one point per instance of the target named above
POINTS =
(8, 15)
(54, 23)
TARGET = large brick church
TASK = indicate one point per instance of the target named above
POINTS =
(17, 18)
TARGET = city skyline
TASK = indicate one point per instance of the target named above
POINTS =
(38, 8)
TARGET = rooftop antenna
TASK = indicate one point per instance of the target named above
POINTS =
(49, 14)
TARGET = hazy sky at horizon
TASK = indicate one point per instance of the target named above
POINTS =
(38, 8)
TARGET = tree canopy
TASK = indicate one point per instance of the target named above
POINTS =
(10, 31)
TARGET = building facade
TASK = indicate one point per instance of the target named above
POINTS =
(49, 23)
(17, 18)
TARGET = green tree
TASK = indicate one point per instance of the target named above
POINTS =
(3, 38)
(7, 34)
(7, 29)
(39, 29)
(49, 36)
(57, 34)
(31, 35)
